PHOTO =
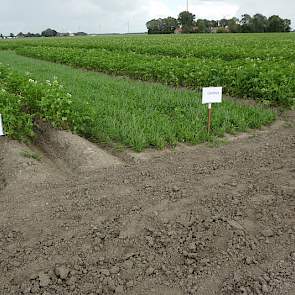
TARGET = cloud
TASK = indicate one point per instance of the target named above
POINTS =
(114, 15)
(214, 9)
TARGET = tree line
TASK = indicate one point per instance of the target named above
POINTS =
(187, 23)
(46, 33)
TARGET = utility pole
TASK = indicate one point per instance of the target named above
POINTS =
(128, 27)
(187, 5)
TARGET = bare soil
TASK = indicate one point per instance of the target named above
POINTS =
(75, 219)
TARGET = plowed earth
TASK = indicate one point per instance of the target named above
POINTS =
(194, 220)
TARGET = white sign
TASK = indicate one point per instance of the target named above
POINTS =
(212, 95)
(1, 126)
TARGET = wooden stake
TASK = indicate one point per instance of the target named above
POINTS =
(209, 117)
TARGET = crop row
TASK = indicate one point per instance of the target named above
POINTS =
(257, 79)
(266, 47)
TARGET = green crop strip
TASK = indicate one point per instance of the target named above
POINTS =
(257, 66)
(226, 47)
(135, 114)
(259, 79)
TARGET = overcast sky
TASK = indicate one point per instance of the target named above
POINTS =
(106, 16)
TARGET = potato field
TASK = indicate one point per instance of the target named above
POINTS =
(139, 115)
(256, 66)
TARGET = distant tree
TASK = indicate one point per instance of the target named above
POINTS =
(210, 24)
(246, 23)
(246, 19)
(153, 26)
(259, 23)
(170, 24)
(49, 33)
(287, 25)
(11, 35)
(214, 23)
(80, 34)
(223, 23)
(186, 20)
(162, 26)
(20, 35)
(234, 25)
(29, 35)
(205, 25)
(276, 24)
(1, 36)
(202, 26)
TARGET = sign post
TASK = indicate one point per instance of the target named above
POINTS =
(209, 116)
(1, 126)
(211, 95)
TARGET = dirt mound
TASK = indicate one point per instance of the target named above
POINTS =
(197, 221)
(20, 165)
(73, 151)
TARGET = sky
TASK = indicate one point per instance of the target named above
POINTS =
(119, 16)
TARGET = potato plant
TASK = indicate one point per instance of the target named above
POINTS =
(23, 99)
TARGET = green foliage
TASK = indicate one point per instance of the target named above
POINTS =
(248, 24)
(230, 47)
(186, 20)
(259, 23)
(203, 26)
(30, 155)
(49, 33)
(269, 79)
(254, 66)
(162, 26)
(140, 115)
(277, 24)
(234, 25)
(23, 99)
(17, 124)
